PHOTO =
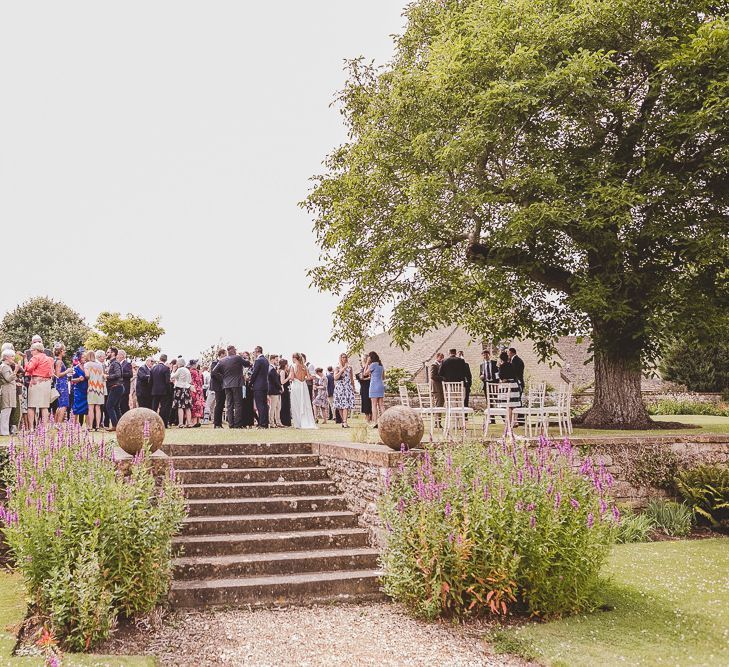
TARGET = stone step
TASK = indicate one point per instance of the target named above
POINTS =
(264, 564)
(314, 487)
(272, 505)
(247, 543)
(237, 449)
(346, 586)
(218, 475)
(257, 523)
(230, 461)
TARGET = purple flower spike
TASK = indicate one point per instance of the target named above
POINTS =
(590, 520)
(574, 503)
(448, 508)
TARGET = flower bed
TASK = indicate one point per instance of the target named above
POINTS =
(90, 542)
(497, 528)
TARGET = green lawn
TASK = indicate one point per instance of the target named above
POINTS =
(669, 605)
(334, 432)
(12, 612)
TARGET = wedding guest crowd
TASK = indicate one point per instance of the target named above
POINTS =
(98, 387)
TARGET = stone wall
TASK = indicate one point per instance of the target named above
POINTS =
(642, 467)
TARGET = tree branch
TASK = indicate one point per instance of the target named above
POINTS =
(552, 277)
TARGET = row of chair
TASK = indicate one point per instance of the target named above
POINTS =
(537, 410)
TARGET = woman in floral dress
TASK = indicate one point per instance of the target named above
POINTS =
(321, 396)
(198, 396)
(344, 388)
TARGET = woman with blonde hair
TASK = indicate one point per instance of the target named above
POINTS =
(344, 388)
(95, 394)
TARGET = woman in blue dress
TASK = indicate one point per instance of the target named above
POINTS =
(376, 371)
(80, 389)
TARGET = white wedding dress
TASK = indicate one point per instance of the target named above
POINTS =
(302, 414)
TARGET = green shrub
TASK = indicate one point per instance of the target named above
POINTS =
(706, 490)
(671, 518)
(394, 377)
(676, 406)
(634, 528)
(496, 528)
(651, 465)
(90, 542)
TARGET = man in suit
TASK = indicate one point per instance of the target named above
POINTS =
(436, 385)
(216, 388)
(259, 386)
(159, 380)
(455, 369)
(489, 371)
(127, 374)
(144, 385)
(230, 371)
(489, 374)
(275, 389)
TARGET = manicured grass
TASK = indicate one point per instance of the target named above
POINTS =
(668, 604)
(12, 612)
(335, 433)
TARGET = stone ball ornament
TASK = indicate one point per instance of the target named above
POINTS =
(400, 424)
(130, 433)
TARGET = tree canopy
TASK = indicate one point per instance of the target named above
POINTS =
(53, 321)
(135, 335)
(536, 168)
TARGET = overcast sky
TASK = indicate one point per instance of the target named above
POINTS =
(152, 155)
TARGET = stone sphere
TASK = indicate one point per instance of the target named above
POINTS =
(400, 424)
(130, 430)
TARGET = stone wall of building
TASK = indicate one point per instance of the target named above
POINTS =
(643, 468)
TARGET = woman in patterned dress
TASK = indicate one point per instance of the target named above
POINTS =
(321, 396)
(513, 397)
(95, 395)
(198, 396)
(344, 388)
(61, 375)
(182, 396)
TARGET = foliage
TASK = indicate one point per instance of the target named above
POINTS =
(678, 406)
(90, 542)
(699, 362)
(394, 377)
(131, 333)
(633, 528)
(51, 320)
(569, 157)
(706, 489)
(671, 518)
(474, 529)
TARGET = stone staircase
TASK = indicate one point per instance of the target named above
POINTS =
(266, 526)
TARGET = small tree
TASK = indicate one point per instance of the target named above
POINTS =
(134, 334)
(699, 363)
(52, 320)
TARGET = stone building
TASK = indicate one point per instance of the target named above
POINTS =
(569, 364)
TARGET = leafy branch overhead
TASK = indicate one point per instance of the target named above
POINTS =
(531, 170)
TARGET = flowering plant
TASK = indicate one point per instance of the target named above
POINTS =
(496, 528)
(89, 541)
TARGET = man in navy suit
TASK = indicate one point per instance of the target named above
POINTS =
(159, 378)
(259, 386)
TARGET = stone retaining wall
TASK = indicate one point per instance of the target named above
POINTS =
(643, 467)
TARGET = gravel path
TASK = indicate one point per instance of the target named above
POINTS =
(369, 634)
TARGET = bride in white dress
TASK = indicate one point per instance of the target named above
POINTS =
(302, 414)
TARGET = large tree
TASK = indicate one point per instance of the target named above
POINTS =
(135, 335)
(53, 321)
(535, 168)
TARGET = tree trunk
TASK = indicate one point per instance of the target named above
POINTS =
(618, 401)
